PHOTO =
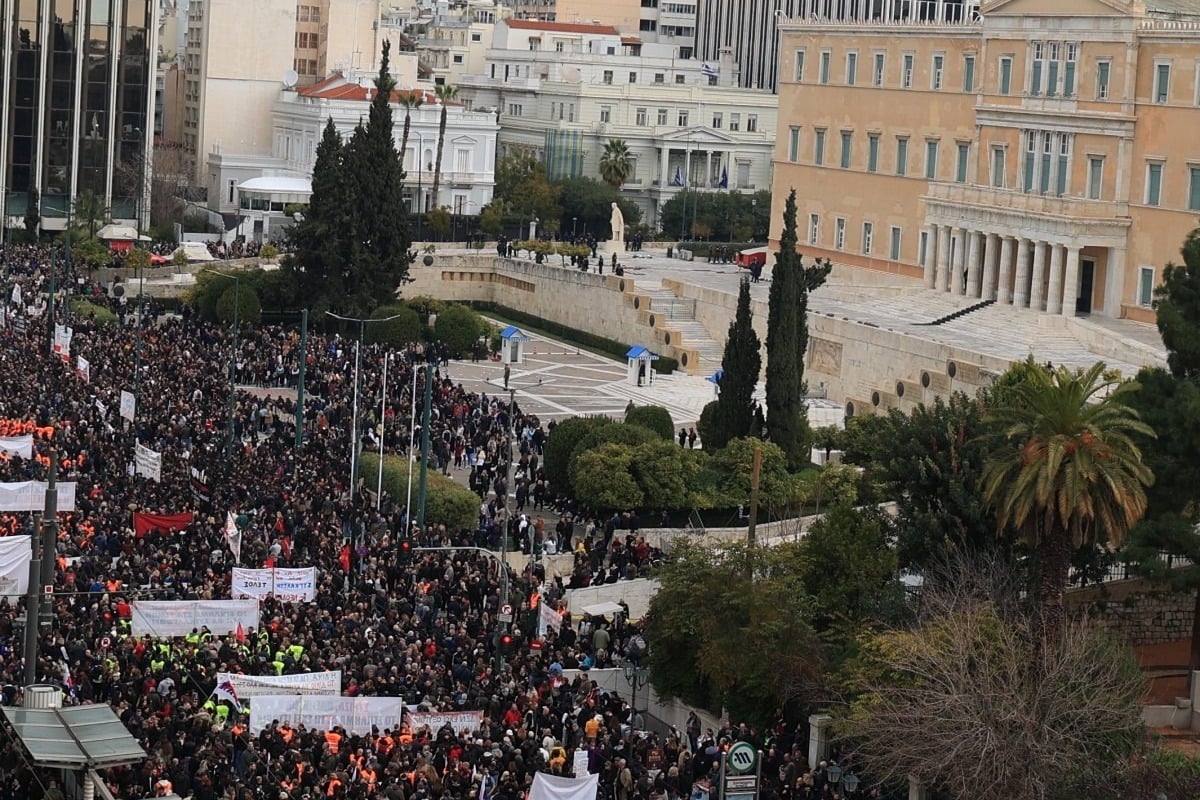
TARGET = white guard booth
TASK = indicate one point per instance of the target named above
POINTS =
(512, 348)
(641, 366)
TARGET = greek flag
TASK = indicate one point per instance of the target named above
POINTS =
(709, 71)
(677, 180)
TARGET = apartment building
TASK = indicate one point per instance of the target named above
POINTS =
(1038, 154)
(77, 112)
(562, 91)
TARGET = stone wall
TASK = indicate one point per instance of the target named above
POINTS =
(1137, 611)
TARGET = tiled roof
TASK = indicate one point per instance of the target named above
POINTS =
(560, 27)
(331, 89)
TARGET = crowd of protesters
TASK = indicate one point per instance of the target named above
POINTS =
(422, 627)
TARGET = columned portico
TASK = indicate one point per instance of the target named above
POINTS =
(930, 264)
(1004, 282)
(1054, 297)
(1037, 283)
(960, 256)
(973, 265)
(1021, 287)
(943, 258)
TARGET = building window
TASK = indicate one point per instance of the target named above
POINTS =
(633, 77)
(872, 152)
(999, 167)
(868, 235)
(960, 163)
(718, 119)
(608, 77)
(901, 155)
(660, 78)
(641, 117)
(683, 118)
(799, 66)
(922, 247)
(1162, 83)
(1193, 188)
(894, 250)
(648, 25)
(939, 65)
(847, 142)
(752, 123)
(968, 73)
(1103, 68)
(793, 144)
(851, 68)
(458, 59)
(1064, 157)
(931, 153)
(1038, 58)
(814, 228)
(1154, 171)
(476, 37)
(735, 122)
(825, 59)
(839, 239)
(1072, 49)
(1095, 176)
(712, 81)
(1006, 74)
(1145, 296)
(1052, 79)
(662, 116)
(606, 114)
(819, 147)
(1047, 152)
(1030, 160)
(877, 75)
(906, 76)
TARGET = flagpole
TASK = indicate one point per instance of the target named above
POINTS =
(382, 428)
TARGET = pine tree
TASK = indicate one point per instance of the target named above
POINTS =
(740, 367)
(322, 247)
(33, 215)
(379, 232)
(787, 340)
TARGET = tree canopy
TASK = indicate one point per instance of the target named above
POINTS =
(718, 216)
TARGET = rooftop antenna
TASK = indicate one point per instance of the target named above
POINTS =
(290, 78)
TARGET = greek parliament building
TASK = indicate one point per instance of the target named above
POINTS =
(77, 101)
(1038, 153)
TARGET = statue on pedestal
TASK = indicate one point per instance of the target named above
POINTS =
(618, 228)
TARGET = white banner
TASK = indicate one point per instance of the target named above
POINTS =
(147, 462)
(165, 618)
(287, 584)
(460, 721)
(15, 555)
(556, 787)
(548, 619)
(62, 341)
(311, 683)
(128, 405)
(18, 445)
(31, 496)
(354, 714)
(83, 368)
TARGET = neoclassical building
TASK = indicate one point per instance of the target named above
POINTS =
(1038, 154)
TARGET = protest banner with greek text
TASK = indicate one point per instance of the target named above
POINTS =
(355, 715)
(289, 585)
(166, 618)
(310, 683)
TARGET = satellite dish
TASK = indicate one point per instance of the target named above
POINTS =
(289, 79)
(571, 74)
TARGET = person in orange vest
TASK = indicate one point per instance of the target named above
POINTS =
(333, 739)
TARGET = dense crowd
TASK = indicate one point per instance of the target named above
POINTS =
(421, 628)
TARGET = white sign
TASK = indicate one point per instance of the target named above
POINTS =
(165, 618)
(15, 555)
(147, 462)
(356, 715)
(18, 445)
(460, 721)
(548, 619)
(311, 683)
(31, 496)
(287, 584)
(83, 368)
(581, 763)
(558, 787)
(128, 405)
(62, 341)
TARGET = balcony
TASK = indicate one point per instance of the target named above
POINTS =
(1077, 208)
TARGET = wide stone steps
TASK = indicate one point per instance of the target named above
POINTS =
(680, 319)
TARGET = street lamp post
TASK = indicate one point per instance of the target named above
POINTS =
(637, 677)
(574, 220)
(233, 354)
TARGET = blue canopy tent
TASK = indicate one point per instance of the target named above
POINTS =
(715, 380)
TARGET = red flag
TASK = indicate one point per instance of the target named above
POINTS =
(240, 634)
(269, 563)
(144, 523)
(344, 558)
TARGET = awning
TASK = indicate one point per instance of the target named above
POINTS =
(73, 738)
(602, 609)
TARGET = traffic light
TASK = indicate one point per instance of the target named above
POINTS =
(505, 644)
(406, 550)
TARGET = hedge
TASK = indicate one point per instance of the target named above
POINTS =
(701, 249)
(665, 365)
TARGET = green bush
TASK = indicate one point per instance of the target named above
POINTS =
(702, 249)
(446, 502)
(406, 328)
(240, 299)
(667, 474)
(606, 481)
(458, 327)
(425, 305)
(556, 454)
(707, 423)
(652, 418)
(98, 314)
(628, 436)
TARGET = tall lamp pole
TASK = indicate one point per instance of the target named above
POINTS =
(237, 306)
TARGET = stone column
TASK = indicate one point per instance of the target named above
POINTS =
(1004, 282)
(1054, 291)
(1070, 289)
(960, 260)
(943, 259)
(1021, 283)
(930, 265)
(916, 790)
(1114, 282)
(708, 169)
(1036, 288)
(663, 178)
(818, 738)
(974, 257)
(991, 258)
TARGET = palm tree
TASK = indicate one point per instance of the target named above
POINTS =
(90, 211)
(445, 93)
(409, 101)
(1067, 473)
(615, 163)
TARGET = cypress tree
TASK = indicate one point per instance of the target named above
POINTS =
(740, 366)
(322, 246)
